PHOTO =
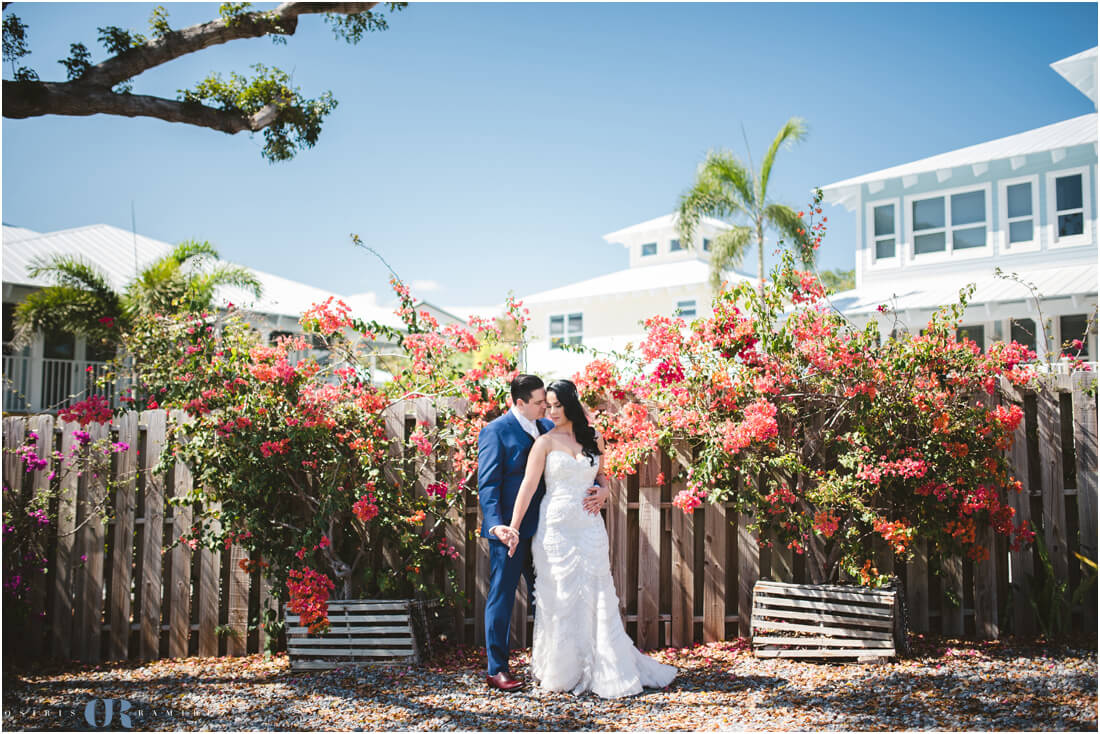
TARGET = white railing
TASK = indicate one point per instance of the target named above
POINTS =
(46, 385)
(1062, 367)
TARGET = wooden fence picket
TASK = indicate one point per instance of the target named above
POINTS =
(61, 622)
(122, 538)
(34, 640)
(1084, 449)
(649, 543)
(1053, 482)
(179, 585)
(152, 571)
(1021, 563)
(90, 541)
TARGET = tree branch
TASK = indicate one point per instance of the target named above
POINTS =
(156, 51)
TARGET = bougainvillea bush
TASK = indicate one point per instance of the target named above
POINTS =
(828, 436)
(297, 456)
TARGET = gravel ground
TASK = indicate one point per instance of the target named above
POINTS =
(946, 685)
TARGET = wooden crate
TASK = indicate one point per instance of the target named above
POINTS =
(824, 621)
(362, 632)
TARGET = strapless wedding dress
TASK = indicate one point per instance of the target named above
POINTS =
(579, 641)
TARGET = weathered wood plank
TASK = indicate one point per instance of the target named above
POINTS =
(951, 612)
(153, 536)
(1021, 563)
(818, 591)
(179, 586)
(779, 605)
(985, 589)
(122, 538)
(649, 544)
(482, 550)
(682, 629)
(267, 600)
(237, 640)
(823, 653)
(838, 631)
(620, 550)
(1051, 460)
(714, 573)
(824, 642)
(209, 588)
(33, 643)
(814, 616)
(1084, 448)
(15, 430)
(61, 628)
(748, 573)
(90, 540)
(916, 587)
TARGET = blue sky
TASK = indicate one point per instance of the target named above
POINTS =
(488, 147)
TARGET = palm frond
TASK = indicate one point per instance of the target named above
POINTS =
(727, 251)
(192, 249)
(721, 183)
(793, 230)
(201, 287)
(792, 131)
(66, 309)
(72, 272)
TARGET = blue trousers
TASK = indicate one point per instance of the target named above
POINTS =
(504, 574)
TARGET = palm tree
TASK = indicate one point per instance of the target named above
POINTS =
(83, 302)
(726, 189)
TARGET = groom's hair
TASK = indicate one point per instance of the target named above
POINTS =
(523, 386)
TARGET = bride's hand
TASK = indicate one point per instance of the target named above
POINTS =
(594, 500)
(513, 541)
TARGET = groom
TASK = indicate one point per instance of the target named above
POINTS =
(503, 446)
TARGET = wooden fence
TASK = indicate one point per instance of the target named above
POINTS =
(680, 578)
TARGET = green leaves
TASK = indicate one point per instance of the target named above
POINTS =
(297, 119)
(78, 62)
(15, 47)
(119, 40)
(158, 22)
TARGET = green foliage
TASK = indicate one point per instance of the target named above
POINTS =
(725, 188)
(119, 40)
(838, 280)
(158, 22)
(1051, 599)
(15, 48)
(298, 119)
(78, 62)
(231, 13)
(352, 27)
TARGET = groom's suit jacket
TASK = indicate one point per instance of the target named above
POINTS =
(502, 449)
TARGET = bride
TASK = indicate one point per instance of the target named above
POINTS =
(579, 641)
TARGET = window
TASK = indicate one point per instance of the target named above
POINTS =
(1075, 327)
(706, 245)
(1019, 209)
(975, 334)
(950, 223)
(1068, 201)
(929, 232)
(686, 308)
(566, 329)
(884, 224)
(675, 246)
(1023, 332)
(649, 249)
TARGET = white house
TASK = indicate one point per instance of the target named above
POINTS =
(664, 277)
(1025, 203)
(53, 366)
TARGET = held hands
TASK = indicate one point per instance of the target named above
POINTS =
(595, 499)
(509, 536)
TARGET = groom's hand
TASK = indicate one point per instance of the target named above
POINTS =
(595, 498)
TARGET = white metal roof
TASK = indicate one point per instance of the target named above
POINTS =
(931, 293)
(119, 255)
(1080, 71)
(658, 223)
(1076, 131)
(14, 234)
(648, 277)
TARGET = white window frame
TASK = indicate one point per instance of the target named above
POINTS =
(887, 262)
(1004, 221)
(949, 252)
(680, 245)
(656, 249)
(566, 334)
(1076, 240)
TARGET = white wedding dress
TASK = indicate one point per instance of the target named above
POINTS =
(579, 641)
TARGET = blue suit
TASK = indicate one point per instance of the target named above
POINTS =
(502, 449)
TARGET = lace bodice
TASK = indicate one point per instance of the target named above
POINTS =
(570, 475)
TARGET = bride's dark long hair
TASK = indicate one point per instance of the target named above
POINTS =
(585, 434)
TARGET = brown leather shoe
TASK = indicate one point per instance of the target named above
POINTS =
(503, 681)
